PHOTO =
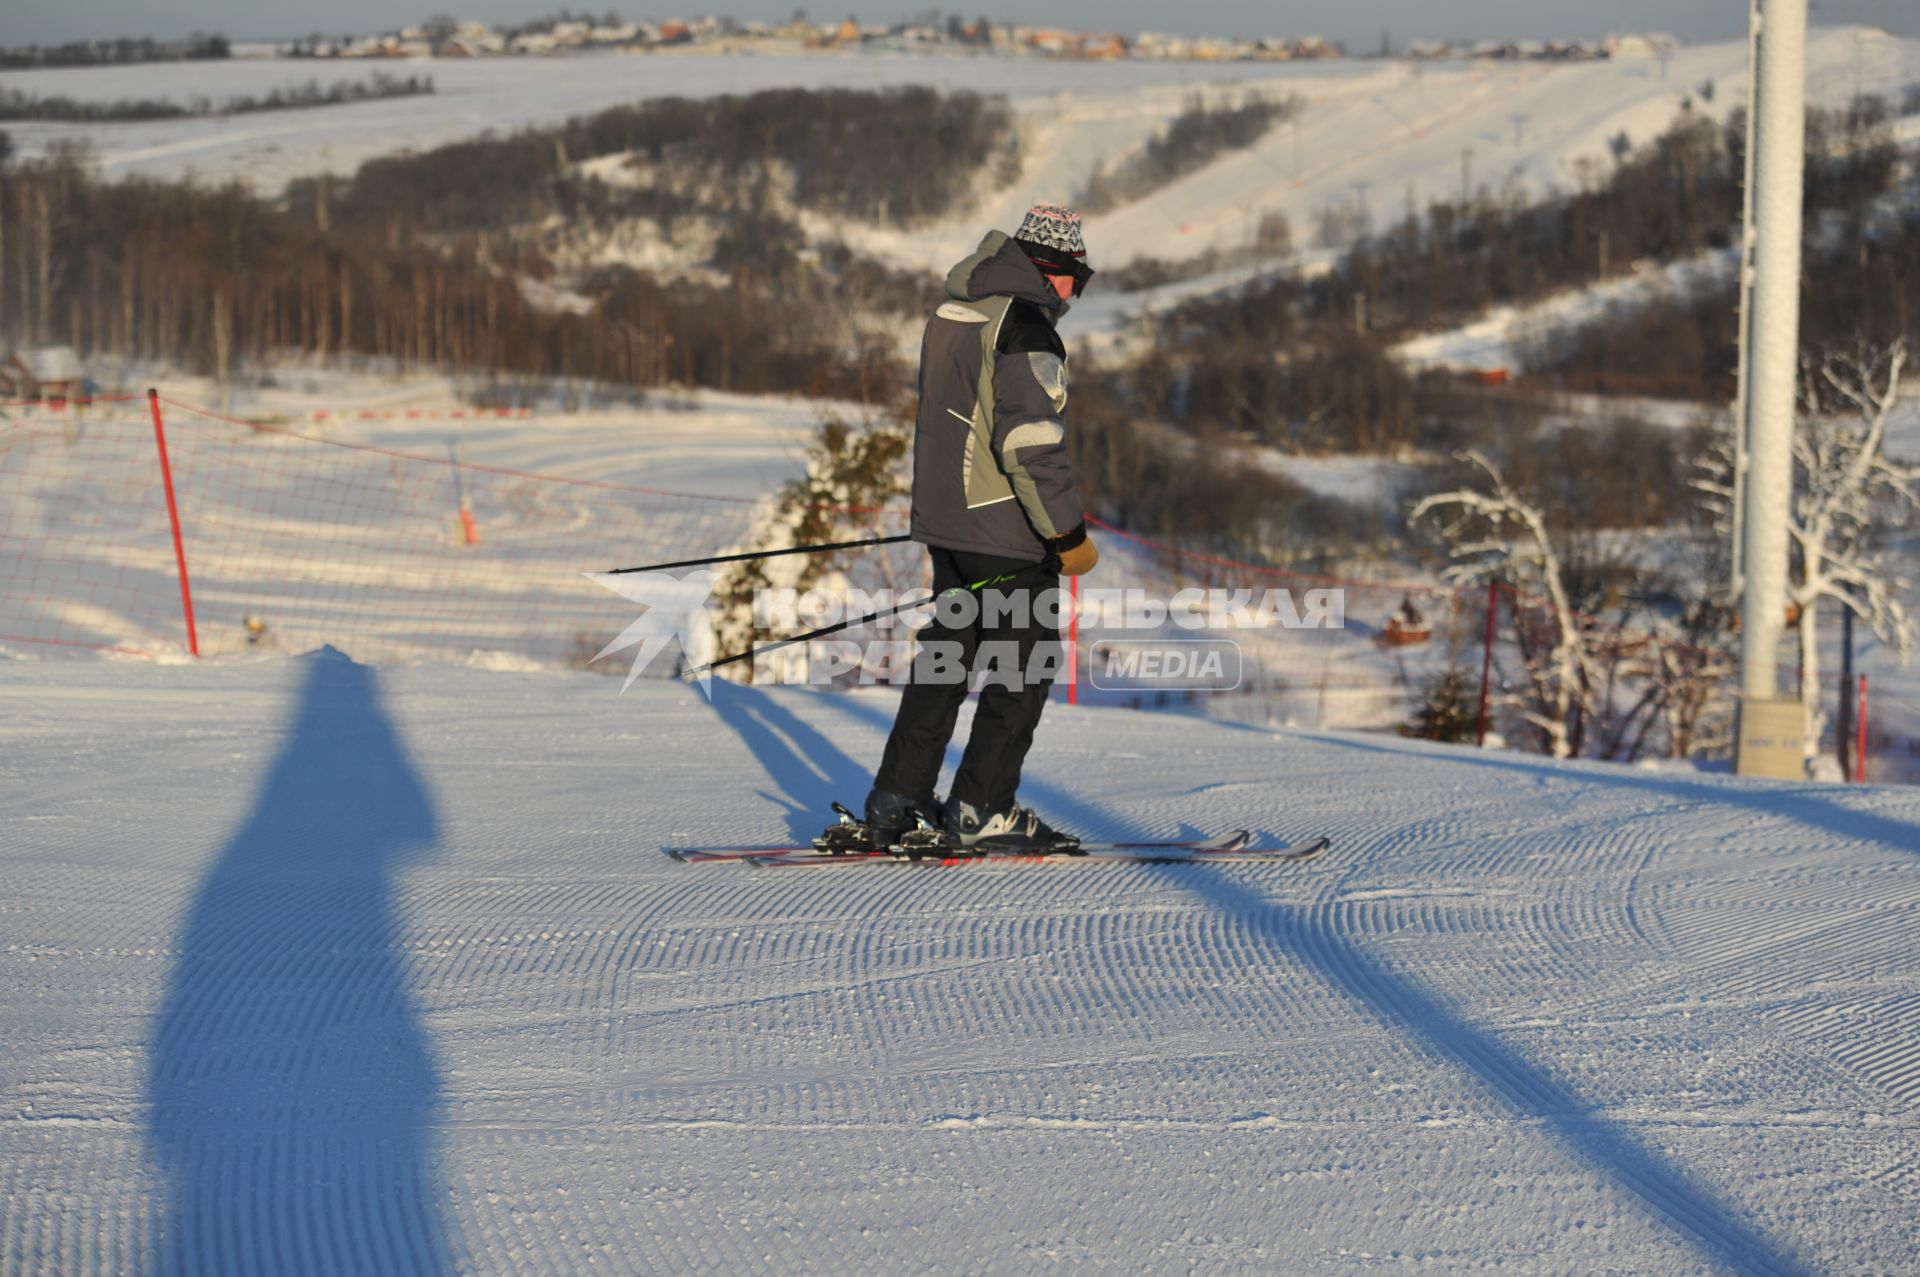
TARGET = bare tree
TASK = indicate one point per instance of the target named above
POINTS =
(1845, 488)
(1690, 666)
(1502, 535)
(223, 342)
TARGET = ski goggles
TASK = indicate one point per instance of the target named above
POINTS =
(1056, 261)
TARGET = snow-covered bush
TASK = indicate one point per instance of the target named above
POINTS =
(856, 478)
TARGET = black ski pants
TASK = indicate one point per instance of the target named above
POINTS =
(1009, 638)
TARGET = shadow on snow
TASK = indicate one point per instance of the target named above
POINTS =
(1805, 803)
(1526, 1089)
(808, 768)
(292, 1086)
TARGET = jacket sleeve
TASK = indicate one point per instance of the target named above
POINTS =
(1030, 440)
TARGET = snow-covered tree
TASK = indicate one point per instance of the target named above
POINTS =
(1502, 535)
(1845, 490)
(853, 475)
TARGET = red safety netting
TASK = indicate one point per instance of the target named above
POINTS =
(1391, 640)
(292, 540)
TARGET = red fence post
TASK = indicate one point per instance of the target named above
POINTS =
(173, 516)
(1073, 643)
(1860, 749)
(1486, 659)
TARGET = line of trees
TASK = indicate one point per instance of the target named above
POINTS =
(211, 279)
(1306, 365)
(15, 105)
(1162, 483)
(419, 259)
(1194, 139)
(902, 155)
(1671, 199)
(1859, 282)
(99, 53)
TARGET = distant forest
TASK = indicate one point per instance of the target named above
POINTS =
(1860, 282)
(1675, 197)
(15, 105)
(900, 155)
(214, 279)
(1303, 364)
(1196, 138)
(104, 53)
(420, 259)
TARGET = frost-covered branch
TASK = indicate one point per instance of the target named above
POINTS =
(1501, 534)
(1845, 490)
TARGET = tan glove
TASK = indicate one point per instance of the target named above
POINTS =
(1080, 559)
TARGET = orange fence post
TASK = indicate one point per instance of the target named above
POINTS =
(173, 517)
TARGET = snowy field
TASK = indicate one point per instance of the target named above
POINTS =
(311, 967)
(474, 95)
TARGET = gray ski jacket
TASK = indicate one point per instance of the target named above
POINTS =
(990, 471)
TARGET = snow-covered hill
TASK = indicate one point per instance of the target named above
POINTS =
(1376, 133)
(312, 967)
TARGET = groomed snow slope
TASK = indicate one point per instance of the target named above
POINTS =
(312, 967)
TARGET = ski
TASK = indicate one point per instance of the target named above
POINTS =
(1227, 842)
(848, 838)
(1230, 848)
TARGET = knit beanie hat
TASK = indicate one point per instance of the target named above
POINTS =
(1053, 226)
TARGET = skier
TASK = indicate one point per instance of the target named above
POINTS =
(994, 503)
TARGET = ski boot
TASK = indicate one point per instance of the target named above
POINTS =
(889, 818)
(1014, 830)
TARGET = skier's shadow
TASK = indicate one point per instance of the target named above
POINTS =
(809, 769)
(292, 1087)
(1399, 1003)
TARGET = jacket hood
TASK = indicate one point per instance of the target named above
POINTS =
(999, 269)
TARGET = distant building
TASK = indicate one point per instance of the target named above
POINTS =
(1152, 44)
(43, 372)
(1049, 40)
(1647, 45)
(1103, 48)
(467, 43)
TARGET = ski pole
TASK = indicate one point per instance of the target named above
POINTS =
(836, 628)
(801, 638)
(762, 554)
